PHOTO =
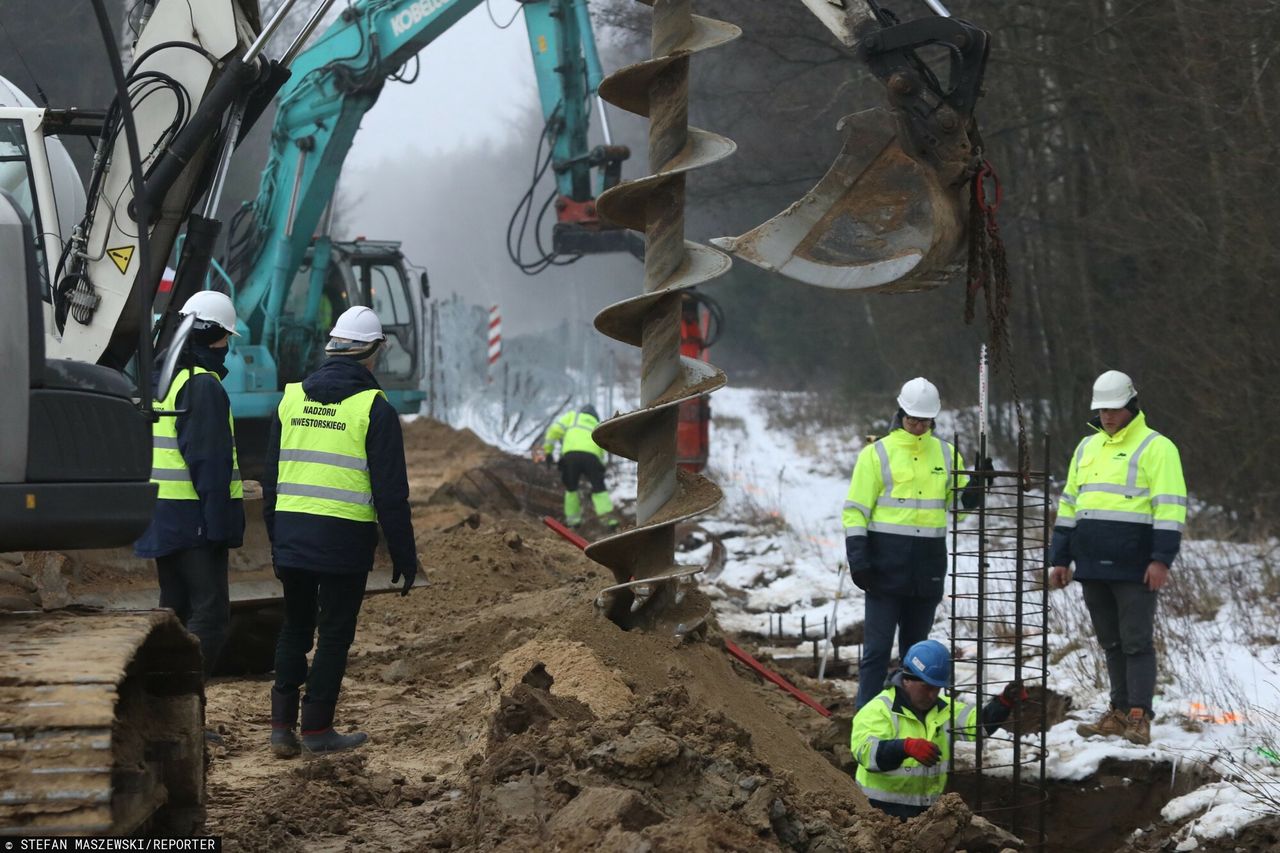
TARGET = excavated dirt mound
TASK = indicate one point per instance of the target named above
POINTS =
(506, 714)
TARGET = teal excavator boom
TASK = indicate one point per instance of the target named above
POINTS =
(334, 83)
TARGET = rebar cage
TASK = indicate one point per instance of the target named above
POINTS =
(999, 635)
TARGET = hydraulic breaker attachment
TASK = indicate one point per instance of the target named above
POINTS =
(891, 212)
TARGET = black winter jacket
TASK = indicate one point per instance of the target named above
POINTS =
(341, 545)
(205, 441)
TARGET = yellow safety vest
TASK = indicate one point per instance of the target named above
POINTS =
(168, 469)
(324, 468)
(902, 484)
(1133, 476)
(573, 429)
(911, 784)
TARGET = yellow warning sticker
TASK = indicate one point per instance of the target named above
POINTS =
(31, 501)
(121, 257)
(542, 44)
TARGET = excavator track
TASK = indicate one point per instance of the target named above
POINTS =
(658, 88)
(101, 724)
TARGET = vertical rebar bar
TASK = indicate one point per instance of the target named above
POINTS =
(1046, 533)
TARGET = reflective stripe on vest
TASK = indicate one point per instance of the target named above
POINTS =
(324, 468)
(1108, 480)
(920, 507)
(168, 468)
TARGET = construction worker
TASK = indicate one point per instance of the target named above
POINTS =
(1120, 520)
(580, 457)
(901, 739)
(895, 527)
(335, 470)
(199, 513)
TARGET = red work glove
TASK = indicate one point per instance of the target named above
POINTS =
(924, 751)
(1013, 693)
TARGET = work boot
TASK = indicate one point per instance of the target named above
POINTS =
(285, 743)
(1111, 724)
(330, 741)
(284, 719)
(317, 730)
(1137, 727)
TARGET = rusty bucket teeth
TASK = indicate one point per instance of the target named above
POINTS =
(658, 88)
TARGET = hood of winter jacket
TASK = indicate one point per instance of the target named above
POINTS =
(337, 379)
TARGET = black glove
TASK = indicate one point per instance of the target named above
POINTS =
(986, 464)
(409, 576)
(549, 460)
(861, 578)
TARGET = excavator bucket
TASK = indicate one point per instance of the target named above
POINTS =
(891, 212)
(878, 220)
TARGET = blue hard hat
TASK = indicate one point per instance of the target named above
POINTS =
(929, 661)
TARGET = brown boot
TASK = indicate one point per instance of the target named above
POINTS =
(1137, 727)
(1111, 724)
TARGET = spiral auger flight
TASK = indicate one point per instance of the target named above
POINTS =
(659, 89)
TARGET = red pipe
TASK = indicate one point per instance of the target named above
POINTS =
(770, 675)
(565, 532)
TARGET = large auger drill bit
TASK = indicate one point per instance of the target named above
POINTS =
(891, 212)
(643, 558)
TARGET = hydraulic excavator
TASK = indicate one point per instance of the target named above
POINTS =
(103, 712)
(101, 715)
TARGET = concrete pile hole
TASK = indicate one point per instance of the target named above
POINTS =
(505, 714)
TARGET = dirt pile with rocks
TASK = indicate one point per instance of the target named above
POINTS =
(505, 713)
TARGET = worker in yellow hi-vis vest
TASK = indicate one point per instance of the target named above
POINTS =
(199, 512)
(580, 457)
(1120, 520)
(335, 471)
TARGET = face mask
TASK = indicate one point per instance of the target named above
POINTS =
(210, 358)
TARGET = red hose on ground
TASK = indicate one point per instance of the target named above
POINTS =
(730, 646)
(565, 532)
(769, 675)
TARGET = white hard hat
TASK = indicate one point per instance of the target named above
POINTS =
(211, 306)
(1112, 390)
(358, 323)
(919, 398)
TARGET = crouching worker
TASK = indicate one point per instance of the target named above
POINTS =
(901, 738)
(580, 457)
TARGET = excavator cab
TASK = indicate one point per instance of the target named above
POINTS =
(76, 466)
(891, 213)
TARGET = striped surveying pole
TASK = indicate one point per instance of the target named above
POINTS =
(495, 337)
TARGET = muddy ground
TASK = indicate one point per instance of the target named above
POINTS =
(505, 713)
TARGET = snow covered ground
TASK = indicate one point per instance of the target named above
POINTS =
(1219, 638)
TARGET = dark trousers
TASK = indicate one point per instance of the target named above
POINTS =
(1124, 617)
(193, 584)
(910, 617)
(577, 464)
(319, 608)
